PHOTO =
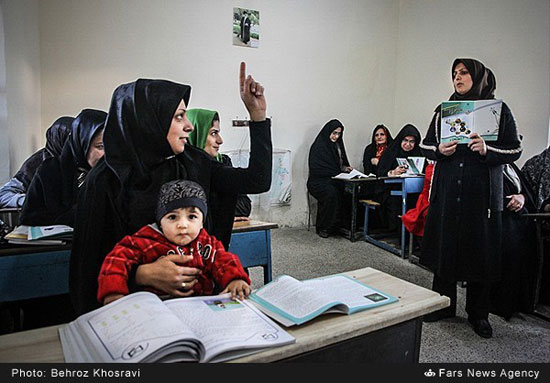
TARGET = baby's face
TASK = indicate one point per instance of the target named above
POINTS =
(181, 226)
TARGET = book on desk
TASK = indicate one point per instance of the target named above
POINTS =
(40, 235)
(140, 327)
(293, 302)
(354, 174)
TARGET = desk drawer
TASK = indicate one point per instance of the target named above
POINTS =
(34, 275)
(251, 247)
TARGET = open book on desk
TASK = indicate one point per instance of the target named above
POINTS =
(414, 165)
(293, 302)
(353, 175)
(140, 327)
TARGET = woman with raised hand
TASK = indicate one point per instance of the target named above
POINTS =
(206, 135)
(462, 235)
(146, 137)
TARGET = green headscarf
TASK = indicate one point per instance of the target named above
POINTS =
(202, 120)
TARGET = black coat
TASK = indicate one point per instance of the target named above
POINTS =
(462, 235)
(120, 193)
(52, 195)
(515, 290)
(243, 204)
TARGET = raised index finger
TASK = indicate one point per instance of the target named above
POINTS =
(242, 75)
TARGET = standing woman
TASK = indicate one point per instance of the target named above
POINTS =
(146, 136)
(381, 139)
(462, 236)
(206, 135)
(327, 158)
(52, 195)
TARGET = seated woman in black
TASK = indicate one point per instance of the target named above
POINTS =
(146, 136)
(52, 195)
(404, 145)
(381, 139)
(13, 193)
(327, 158)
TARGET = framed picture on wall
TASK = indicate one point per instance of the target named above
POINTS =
(246, 28)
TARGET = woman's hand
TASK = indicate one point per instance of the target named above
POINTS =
(477, 144)
(347, 169)
(237, 287)
(166, 275)
(374, 161)
(252, 94)
(397, 171)
(516, 202)
(241, 219)
(447, 148)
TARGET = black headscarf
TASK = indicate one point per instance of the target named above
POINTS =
(52, 194)
(484, 82)
(57, 135)
(388, 160)
(136, 148)
(325, 160)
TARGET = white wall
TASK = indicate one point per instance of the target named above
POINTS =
(317, 59)
(511, 37)
(362, 61)
(22, 67)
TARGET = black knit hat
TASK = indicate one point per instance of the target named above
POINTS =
(179, 194)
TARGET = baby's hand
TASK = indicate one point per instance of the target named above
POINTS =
(238, 287)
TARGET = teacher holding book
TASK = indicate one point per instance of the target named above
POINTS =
(462, 236)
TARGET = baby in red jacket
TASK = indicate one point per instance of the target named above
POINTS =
(179, 230)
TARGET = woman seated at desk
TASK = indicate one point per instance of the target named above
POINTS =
(404, 145)
(206, 135)
(381, 139)
(13, 193)
(537, 172)
(51, 198)
(327, 158)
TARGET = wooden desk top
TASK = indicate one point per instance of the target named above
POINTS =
(43, 345)
(252, 225)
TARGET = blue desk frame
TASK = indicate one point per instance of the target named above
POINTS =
(409, 185)
(39, 271)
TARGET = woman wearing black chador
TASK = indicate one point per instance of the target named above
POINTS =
(327, 158)
(462, 236)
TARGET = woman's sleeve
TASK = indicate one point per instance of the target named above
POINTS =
(244, 206)
(257, 177)
(96, 232)
(507, 148)
(430, 144)
(12, 194)
(368, 167)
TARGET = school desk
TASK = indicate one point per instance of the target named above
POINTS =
(31, 271)
(353, 187)
(407, 185)
(385, 334)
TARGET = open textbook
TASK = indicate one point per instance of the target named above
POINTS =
(40, 235)
(293, 302)
(140, 327)
(414, 165)
(459, 119)
(353, 174)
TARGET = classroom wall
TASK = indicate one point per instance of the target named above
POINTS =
(22, 123)
(362, 61)
(510, 37)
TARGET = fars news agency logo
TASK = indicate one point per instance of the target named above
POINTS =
(429, 373)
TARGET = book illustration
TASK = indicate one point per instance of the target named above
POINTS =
(414, 165)
(459, 119)
(354, 174)
(293, 302)
(142, 328)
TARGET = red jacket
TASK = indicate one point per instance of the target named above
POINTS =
(415, 218)
(148, 244)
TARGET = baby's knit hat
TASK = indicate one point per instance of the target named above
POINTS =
(179, 194)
